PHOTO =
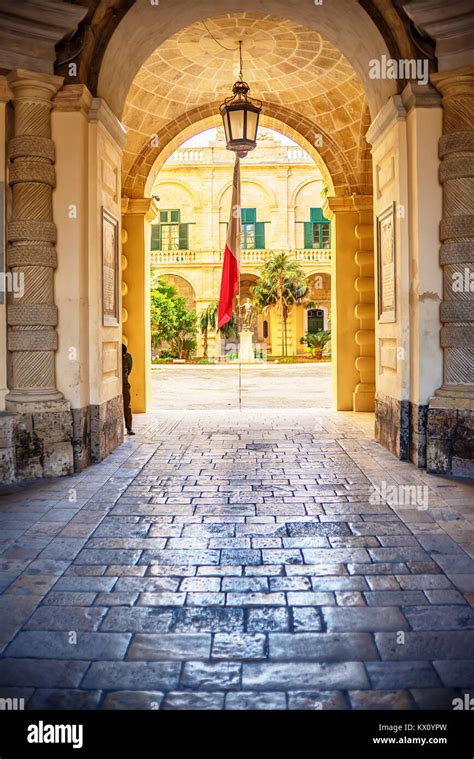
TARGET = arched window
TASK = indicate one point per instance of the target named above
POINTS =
(265, 329)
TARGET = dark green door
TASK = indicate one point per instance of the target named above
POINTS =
(315, 320)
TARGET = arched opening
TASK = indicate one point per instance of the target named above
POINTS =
(330, 134)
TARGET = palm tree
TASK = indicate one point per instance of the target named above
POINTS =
(283, 283)
(208, 321)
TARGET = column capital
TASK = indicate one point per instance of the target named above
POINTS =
(32, 85)
(455, 83)
(73, 98)
(348, 204)
(147, 207)
(335, 204)
(420, 96)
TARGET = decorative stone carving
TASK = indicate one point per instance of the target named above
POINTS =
(454, 453)
(31, 235)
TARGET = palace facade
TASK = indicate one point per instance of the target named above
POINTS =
(282, 194)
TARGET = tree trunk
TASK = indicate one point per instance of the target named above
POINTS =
(205, 343)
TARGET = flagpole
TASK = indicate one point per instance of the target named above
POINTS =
(239, 328)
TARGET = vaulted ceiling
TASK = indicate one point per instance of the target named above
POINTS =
(285, 64)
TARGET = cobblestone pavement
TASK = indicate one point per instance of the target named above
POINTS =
(225, 560)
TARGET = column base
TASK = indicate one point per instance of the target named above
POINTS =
(450, 433)
(364, 398)
(40, 439)
(15, 397)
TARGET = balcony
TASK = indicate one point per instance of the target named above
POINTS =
(196, 258)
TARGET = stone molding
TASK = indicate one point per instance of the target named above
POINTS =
(391, 113)
(100, 113)
(73, 98)
(420, 96)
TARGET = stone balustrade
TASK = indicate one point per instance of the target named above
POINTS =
(203, 257)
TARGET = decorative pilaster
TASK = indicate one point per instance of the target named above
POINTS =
(137, 214)
(364, 394)
(344, 301)
(31, 236)
(451, 411)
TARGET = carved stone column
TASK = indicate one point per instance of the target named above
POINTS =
(31, 236)
(451, 411)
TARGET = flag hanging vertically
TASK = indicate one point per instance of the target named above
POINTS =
(231, 265)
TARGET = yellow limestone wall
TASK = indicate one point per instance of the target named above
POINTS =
(86, 134)
(137, 215)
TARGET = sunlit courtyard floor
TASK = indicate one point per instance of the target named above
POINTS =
(265, 385)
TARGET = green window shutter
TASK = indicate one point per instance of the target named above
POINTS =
(249, 215)
(175, 216)
(260, 235)
(183, 237)
(155, 237)
(308, 235)
(316, 215)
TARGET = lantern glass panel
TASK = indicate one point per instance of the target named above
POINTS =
(225, 119)
(237, 123)
(252, 125)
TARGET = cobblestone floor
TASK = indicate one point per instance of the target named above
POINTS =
(225, 560)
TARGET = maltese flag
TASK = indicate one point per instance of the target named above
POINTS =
(231, 265)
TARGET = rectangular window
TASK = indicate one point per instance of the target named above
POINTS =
(317, 232)
(253, 231)
(170, 234)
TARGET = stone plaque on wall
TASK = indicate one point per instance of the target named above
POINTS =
(110, 270)
(387, 296)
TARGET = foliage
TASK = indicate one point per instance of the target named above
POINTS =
(316, 342)
(172, 322)
(282, 283)
(208, 321)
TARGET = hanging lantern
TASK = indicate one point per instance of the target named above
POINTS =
(240, 115)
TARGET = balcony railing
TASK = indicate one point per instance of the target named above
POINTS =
(249, 257)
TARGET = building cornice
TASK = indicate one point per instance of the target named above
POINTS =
(451, 24)
(31, 29)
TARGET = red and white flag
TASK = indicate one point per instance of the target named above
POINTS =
(231, 265)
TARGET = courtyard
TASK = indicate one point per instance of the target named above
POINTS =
(263, 385)
(238, 560)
